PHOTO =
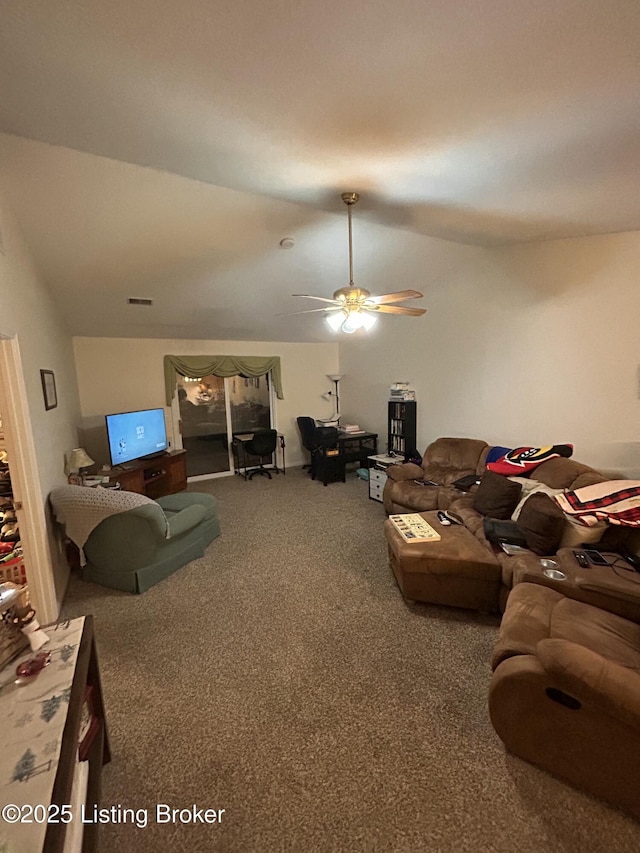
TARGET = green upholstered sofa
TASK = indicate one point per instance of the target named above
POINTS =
(133, 546)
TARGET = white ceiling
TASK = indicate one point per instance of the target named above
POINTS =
(162, 149)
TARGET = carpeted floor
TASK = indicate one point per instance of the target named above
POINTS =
(283, 679)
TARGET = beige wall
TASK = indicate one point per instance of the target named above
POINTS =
(118, 374)
(30, 316)
(533, 344)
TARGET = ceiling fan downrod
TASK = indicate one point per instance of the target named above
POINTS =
(350, 199)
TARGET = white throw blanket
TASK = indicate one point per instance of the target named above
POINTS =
(81, 509)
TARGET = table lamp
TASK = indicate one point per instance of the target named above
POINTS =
(75, 461)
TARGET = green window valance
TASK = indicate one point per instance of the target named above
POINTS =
(220, 365)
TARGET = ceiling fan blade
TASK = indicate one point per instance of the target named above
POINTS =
(311, 311)
(320, 298)
(395, 297)
(399, 309)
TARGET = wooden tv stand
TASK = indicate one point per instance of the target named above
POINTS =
(154, 478)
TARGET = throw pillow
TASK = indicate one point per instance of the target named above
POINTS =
(523, 460)
(542, 522)
(496, 496)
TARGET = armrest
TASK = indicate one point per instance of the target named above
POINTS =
(590, 677)
(404, 471)
(185, 520)
(610, 585)
(152, 513)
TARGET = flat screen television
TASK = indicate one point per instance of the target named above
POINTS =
(136, 435)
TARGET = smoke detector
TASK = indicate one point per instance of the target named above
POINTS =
(287, 243)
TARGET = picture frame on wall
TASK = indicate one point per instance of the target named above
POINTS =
(49, 389)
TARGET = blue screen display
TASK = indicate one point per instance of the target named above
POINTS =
(135, 434)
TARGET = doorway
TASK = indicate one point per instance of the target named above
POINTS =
(212, 410)
(25, 481)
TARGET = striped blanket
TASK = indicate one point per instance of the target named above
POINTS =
(616, 501)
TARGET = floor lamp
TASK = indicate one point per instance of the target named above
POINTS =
(335, 378)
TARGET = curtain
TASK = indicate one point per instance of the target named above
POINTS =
(220, 365)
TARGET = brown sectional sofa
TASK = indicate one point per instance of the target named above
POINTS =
(565, 690)
(447, 460)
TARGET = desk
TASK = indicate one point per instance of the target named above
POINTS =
(357, 448)
(240, 453)
(329, 466)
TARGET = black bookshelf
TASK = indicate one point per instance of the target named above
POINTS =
(402, 428)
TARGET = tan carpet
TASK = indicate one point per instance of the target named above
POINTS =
(283, 678)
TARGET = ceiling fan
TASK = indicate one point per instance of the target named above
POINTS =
(354, 307)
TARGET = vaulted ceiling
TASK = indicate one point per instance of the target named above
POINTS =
(162, 149)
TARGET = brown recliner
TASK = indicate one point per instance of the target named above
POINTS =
(445, 461)
(565, 692)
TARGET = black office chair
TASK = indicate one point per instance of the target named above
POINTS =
(262, 445)
(307, 427)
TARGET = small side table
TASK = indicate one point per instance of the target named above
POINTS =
(378, 465)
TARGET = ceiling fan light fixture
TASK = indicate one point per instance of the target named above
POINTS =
(335, 320)
(368, 321)
(355, 320)
(353, 308)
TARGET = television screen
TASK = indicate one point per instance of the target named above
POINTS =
(132, 435)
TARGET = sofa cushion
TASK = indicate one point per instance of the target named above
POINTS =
(448, 459)
(408, 495)
(523, 460)
(496, 496)
(536, 613)
(531, 487)
(400, 471)
(542, 522)
(561, 473)
(575, 532)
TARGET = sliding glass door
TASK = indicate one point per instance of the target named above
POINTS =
(212, 410)
(250, 403)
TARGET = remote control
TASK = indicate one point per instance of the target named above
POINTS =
(582, 559)
(442, 518)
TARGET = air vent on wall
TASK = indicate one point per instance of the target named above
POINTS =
(138, 300)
